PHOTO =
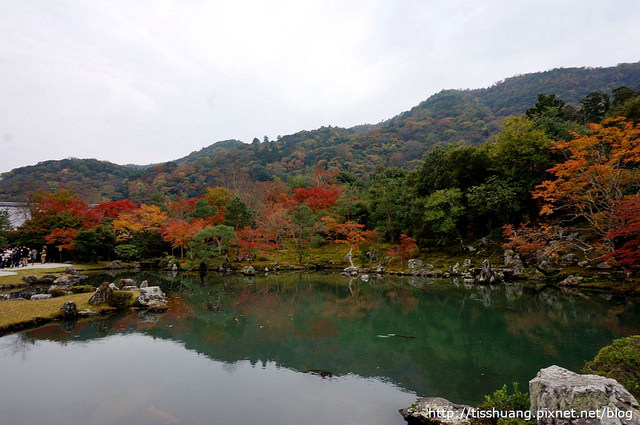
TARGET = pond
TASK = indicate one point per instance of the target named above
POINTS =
(299, 348)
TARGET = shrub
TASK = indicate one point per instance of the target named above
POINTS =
(57, 292)
(127, 252)
(121, 300)
(620, 361)
(81, 289)
(503, 401)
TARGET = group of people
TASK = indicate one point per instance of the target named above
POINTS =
(21, 256)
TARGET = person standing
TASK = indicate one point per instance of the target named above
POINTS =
(43, 254)
(25, 253)
(34, 256)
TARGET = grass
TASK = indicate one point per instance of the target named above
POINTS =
(16, 315)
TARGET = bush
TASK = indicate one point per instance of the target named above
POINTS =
(620, 361)
(121, 300)
(57, 292)
(167, 261)
(127, 252)
(503, 401)
(81, 289)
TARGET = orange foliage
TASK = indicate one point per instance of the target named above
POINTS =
(62, 238)
(147, 218)
(405, 249)
(179, 232)
(593, 180)
(525, 240)
(626, 236)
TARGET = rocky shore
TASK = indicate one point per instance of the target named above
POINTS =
(558, 397)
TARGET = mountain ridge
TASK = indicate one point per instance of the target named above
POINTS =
(467, 117)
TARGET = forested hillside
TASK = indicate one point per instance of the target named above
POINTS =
(558, 185)
(461, 117)
(93, 180)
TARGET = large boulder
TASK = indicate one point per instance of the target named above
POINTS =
(30, 279)
(415, 264)
(65, 281)
(248, 271)
(351, 270)
(152, 298)
(126, 282)
(436, 411)
(47, 278)
(486, 274)
(69, 310)
(559, 396)
(103, 293)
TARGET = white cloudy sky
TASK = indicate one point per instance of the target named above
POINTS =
(142, 81)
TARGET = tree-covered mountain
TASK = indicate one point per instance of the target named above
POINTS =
(92, 179)
(465, 117)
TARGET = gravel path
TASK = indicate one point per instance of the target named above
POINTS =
(10, 272)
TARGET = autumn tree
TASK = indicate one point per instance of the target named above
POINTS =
(322, 194)
(141, 227)
(180, 232)
(348, 233)
(601, 169)
(626, 235)
(250, 240)
(403, 250)
(276, 221)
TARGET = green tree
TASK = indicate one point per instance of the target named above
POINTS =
(521, 156)
(91, 243)
(594, 107)
(202, 209)
(394, 207)
(210, 243)
(442, 212)
(302, 229)
(237, 214)
(5, 226)
(494, 203)
(621, 95)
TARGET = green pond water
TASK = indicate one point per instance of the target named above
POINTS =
(299, 348)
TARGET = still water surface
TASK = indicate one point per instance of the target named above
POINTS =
(298, 348)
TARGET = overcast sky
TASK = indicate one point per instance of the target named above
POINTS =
(149, 81)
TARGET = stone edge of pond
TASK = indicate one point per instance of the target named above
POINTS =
(146, 298)
(40, 321)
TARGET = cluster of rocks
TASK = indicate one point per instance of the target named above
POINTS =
(482, 275)
(151, 297)
(553, 390)
(59, 285)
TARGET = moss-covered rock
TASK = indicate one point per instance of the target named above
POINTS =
(120, 300)
(81, 289)
(620, 361)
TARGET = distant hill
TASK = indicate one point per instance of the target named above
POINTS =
(91, 179)
(468, 117)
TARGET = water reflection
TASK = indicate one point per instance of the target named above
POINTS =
(439, 338)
